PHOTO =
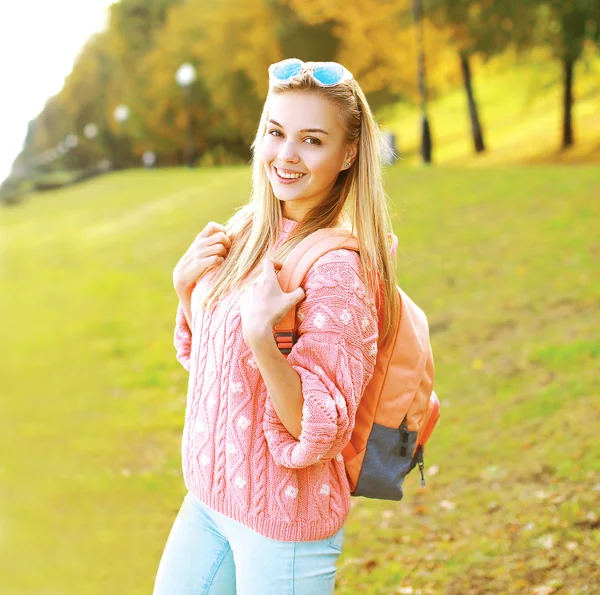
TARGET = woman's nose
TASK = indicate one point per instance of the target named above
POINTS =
(288, 153)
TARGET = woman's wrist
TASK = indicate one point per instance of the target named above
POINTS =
(258, 336)
(183, 291)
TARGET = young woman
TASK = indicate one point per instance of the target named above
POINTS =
(267, 490)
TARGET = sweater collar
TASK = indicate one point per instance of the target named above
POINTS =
(288, 225)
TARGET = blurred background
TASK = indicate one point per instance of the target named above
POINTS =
(126, 127)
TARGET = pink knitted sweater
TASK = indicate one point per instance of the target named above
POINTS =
(238, 458)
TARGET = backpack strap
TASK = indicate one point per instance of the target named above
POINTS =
(297, 265)
(295, 268)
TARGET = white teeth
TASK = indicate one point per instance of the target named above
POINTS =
(288, 176)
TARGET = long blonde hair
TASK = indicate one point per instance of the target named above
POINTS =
(357, 203)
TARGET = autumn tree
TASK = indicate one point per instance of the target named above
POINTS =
(484, 28)
(566, 25)
(378, 44)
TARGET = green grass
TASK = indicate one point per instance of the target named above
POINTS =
(520, 107)
(502, 260)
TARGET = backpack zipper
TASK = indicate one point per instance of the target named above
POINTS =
(421, 464)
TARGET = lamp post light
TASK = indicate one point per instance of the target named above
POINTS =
(426, 143)
(121, 113)
(186, 76)
(72, 141)
(90, 131)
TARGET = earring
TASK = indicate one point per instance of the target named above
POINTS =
(346, 164)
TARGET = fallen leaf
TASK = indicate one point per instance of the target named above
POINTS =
(447, 505)
(546, 541)
(433, 470)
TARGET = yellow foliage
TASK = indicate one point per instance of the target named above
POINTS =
(378, 43)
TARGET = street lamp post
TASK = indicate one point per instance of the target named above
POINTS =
(121, 115)
(149, 158)
(185, 77)
(426, 143)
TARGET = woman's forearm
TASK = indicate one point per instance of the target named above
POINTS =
(284, 385)
(185, 299)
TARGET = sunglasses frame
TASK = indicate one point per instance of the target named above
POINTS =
(308, 67)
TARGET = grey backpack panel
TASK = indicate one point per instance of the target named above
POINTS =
(388, 458)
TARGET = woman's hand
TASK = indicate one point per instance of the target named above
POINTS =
(209, 248)
(263, 304)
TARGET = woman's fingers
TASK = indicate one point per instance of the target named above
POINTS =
(271, 267)
(203, 251)
(209, 248)
(211, 228)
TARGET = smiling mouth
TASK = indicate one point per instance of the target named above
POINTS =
(288, 176)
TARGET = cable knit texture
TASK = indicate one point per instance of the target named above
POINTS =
(238, 457)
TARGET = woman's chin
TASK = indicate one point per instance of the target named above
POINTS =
(286, 194)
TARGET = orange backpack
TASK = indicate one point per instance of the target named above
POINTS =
(399, 409)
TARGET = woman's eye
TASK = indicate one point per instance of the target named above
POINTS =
(314, 141)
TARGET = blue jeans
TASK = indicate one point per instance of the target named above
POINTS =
(208, 553)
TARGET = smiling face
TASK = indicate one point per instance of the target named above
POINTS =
(303, 151)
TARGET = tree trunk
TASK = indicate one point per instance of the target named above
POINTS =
(567, 129)
(426, 140)
(473, 112)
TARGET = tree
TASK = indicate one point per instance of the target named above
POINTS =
(566, 25)
(484, 28)
(231, 43)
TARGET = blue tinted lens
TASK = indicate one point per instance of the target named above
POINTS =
(285, 71)
(329, 74)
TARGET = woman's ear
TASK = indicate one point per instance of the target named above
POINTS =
(350, 156)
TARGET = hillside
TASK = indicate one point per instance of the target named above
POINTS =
(502, 260)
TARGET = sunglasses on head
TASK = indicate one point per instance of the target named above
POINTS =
(326, 74)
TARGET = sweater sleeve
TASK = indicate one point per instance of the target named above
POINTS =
(182, 338)
(335, 357)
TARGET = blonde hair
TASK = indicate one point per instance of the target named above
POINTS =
(357, 203)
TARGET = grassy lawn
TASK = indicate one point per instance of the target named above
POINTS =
(504, 261)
